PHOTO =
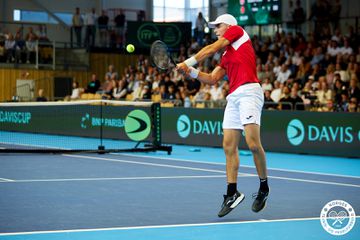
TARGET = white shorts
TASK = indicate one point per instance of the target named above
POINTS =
(244, 106)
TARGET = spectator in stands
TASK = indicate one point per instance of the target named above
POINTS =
(10, 48)
(120, 90)
(353, 105)
(103, 22)
(31, 48)
(90, 28)
(31, 32)
(111, 72)
(344, 75)
(277, 91)
(94, 84)
(120, 21)
(324, 94)
(19, 47)
(284, 74)
(260, 72)
(76, 91)
(296, 103)
(267, 85)
(346, 49)
(269, 103)
(41, 97)
(146, 92)
(354, 90)
(41, 33)
(200, 25)
(216, 92)
(298, 16)
(77, 24)
(192, 86)
(335, 11)
(318, 57)
(343, 105)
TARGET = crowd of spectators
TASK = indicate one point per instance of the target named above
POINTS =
(296, 72)
(21, 46)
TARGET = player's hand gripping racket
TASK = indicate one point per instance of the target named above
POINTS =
(161, 57)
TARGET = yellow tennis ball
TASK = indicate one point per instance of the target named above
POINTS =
(130, 48)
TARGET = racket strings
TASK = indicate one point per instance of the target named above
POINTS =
(160, 56)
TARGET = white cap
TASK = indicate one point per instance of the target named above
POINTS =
(225, 18)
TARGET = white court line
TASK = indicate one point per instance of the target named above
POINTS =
(111, 179)
(246, 166)
(261, 221)
(6, 180)
(146, 163)
(210, 170)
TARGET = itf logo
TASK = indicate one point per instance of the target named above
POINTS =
(337, 217)
(295, 132)
(183, 126)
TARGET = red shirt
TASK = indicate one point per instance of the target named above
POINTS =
(239, 59)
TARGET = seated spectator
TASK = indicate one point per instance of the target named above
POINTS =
(346, 49)
(120, 89)
(324, 94)
(293, 98)
(343, 104)
(353, 105)
(41, 97)
(146, 92)
(269, 103)
(354, 90)
(284, 74)
(333, 48)
(192, 86)
(94, 84)
(76, 91)
(318, 57)
(10, 48)
(277, 91)
(111, 71)
(344, 75)
(216, 92)
(31, 48)
(266, 85)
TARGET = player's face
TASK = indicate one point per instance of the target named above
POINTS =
(220, 29)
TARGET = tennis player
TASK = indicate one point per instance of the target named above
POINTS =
(244, 104)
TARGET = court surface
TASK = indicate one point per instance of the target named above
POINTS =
(157, 196)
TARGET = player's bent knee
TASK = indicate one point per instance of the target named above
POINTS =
(254, 148)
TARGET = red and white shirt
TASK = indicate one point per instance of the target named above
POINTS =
(239, 59)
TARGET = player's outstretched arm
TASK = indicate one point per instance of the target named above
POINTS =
(208, 78)
(205, 52)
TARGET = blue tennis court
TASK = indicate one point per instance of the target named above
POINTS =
(156, 196)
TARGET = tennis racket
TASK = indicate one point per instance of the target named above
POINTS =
(160, 56)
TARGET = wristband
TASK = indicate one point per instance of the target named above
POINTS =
(194, 73)
(190, 62)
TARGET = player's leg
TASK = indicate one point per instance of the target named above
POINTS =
(231, 125)
(252, 136)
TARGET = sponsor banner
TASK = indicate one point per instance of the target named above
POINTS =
(143, 34)
(336, 134)
(126, 123)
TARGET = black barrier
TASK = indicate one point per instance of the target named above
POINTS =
(336, 134)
